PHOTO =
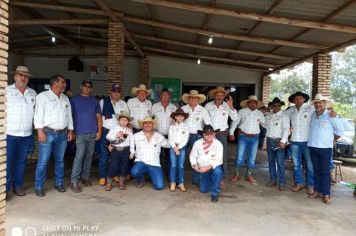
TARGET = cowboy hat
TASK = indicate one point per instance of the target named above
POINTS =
(277, 100)
(141, 87)
(179, 111)
(208, 129)
(123, 114)
(164, 90)
(147, 119)
(23, 70)
(304, 95)
(244, 103)
(319, 97)
(193, 93)
(212, 92)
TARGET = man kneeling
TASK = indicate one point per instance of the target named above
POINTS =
(206, 158)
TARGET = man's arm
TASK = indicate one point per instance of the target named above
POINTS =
(99, 122)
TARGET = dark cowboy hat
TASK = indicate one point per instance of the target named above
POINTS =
(277, 100)
(208, 129)
(179, 111)
(164, 90)
(304, 95)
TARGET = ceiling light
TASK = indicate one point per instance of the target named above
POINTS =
(210, 40)
(53, 39)
(198, 61)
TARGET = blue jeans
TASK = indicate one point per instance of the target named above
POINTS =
(249, 145)
(321, 162)
(210, 180)
(118, 162)
(173, 170)
(83, 156)
(154, 172)
(56, 143)
(276, 159)
(223, 139)
(300, 149)
(104, 155)
(16, 152)
(192, 139)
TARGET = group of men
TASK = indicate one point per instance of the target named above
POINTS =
(58, 120)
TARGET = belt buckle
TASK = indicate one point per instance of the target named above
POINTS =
(119, 149)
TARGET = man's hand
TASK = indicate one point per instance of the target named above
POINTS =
(205, 169)
(131, 156)
(282, 145)
(98, 136)
(110, 148)
(231, 138)
(70, 135)
(332, 113)
(230, 102)
(42, 137)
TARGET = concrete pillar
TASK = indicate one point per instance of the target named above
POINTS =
(144, 71)
(116, 54)
(321, 75)
(265, 89)
(4, 47)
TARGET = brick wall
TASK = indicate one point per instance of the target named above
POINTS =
(116, 51)
(321, 75)
(265, 89)
(144, 71)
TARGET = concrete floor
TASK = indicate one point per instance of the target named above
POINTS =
(242, 209)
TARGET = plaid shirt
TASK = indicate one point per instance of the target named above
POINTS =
(220, 115)
(199, 156)
(178, 135)
(120, 106)
(300, 122)
(163, 116)
(138, 110)
(277, 125)
(197, 118)
(248, 121)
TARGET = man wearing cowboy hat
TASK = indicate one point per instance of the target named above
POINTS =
(198, 116)
(148, 145)
(162, 111)
(20, 111)
(324, 131)
(206, 158)
(277, 125)
(110, 105)
(219, 112)
(248, 121)
(139, 106)
(300, 118)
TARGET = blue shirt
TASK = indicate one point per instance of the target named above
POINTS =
(323, 129)
(84, 110)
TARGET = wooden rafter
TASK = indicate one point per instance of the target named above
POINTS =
(253, 16)
(58, 22)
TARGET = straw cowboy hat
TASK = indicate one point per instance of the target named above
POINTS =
(179, 111)
(212, 92)
(123, 114)
(193, 93)
(141, 87)
(23, 70)
(147, 119)
(319, 97)
(304, 95)
(244, 103)
(208, 129)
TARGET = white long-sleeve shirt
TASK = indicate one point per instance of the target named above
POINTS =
(214, 157)
(163, 116)
(139, 110)
(53, 111)
(148, 152)
(300, 122)
(277, 125)
(129, 141)
(220, 115)
(119, 107)
(248, 121)
(20, 111)
(197, 118)
(178, 135)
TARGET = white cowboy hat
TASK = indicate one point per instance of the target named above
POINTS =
(22, 70)
(244, 103)
(147, 119)
(212, 92)
(141, 87)
(319, 97)
(123, 114)
(193, 93)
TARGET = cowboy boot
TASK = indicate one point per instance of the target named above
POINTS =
(108, 184)
(249, 177)
(122, 183)
(237, 176)
(332, 176)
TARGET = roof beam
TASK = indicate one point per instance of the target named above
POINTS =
(205, 23)
(28, 39)
(58, 22)
(253, 16)
(105, 7)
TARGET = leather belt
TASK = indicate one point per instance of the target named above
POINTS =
(246, 134)
(54, 130)
(119, 149)
(222, 133)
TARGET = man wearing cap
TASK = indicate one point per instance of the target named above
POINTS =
(300, 118)
(248, 121)
(277, 125)
(139, 106)
(110, 106)
(87, 128)
(219, 112)
(148, 145)
(20, 111)
(324, 132)
(54, 123)
(162, 111)
(198, 116)
(206, 158)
